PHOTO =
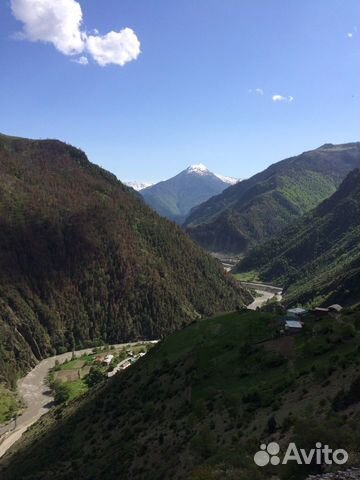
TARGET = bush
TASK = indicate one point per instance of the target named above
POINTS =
(273, 360)
(62, 394)
(271, 425)
(345, 399)
(94, 377)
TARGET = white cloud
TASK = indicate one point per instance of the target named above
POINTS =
(59, 22)
(278, 98)
(281, 98)
(81, 60)
(114, 47)
(353, 32)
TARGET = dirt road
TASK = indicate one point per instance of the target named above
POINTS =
(37, 397)
(261, 299)
(264, 292)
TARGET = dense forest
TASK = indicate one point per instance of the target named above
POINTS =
(84, 261)
(317, 258)
(253, 210)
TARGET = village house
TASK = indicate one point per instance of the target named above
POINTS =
(335, 308)
(108, 359)
(292, 327)
(297, 312)
(125, 364)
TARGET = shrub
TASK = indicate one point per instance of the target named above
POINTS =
(94, 377)
(62, 394)
(345, 399)
(271, 425)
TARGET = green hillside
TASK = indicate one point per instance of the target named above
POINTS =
(199, 405)
(253, 210)
(84, 261)
(317, 258)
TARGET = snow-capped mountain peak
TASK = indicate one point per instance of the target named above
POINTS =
(138, 185)
(229, 180)
(175, 197)
(200, 169)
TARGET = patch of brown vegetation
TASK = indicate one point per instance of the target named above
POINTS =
(282, 345)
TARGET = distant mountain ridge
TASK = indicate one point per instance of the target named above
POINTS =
(317, 258)
(138, 185)
(174, 198)
(253, 210)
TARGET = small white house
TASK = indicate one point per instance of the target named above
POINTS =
(108, 359)
(125, 364)
(293, 326)
(297, 312)
(335, 308)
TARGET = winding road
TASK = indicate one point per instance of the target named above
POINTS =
(265, 292)
(37, 396)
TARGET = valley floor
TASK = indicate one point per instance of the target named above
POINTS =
(264, 293)
(261, 299)
(37, 396)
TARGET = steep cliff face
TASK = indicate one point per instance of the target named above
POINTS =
(84, 260)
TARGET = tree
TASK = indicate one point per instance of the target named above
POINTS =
(271, 425)
(62, 394)
(94, 377)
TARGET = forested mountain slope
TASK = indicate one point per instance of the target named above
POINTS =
(317, 258)
(255, 209)
(84, 260)
(199, 405)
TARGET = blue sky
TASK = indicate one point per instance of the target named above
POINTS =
(190, 95)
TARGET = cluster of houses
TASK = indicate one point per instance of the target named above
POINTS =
(124, 364)
(293, 321)
(104, 359)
